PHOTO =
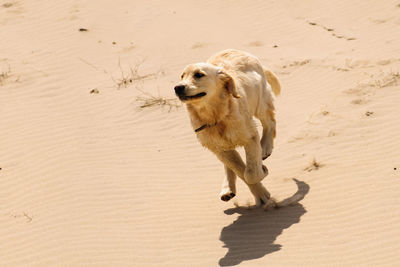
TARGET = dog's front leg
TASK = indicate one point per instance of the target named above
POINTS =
(255, 171)
(235, 164)
(228, 190)
(232, 160)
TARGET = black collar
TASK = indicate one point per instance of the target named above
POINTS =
(205, 126)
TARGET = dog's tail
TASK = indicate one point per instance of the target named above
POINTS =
(273, 81)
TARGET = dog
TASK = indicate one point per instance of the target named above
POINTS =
(222, 96)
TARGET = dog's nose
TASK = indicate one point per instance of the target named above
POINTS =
(179, 89)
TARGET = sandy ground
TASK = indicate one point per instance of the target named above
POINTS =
(100, 166)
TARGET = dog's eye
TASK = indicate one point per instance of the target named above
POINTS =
(198, 75)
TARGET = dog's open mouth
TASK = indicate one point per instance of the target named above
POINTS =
(190, 97)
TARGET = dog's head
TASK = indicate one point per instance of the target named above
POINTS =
(203, 81)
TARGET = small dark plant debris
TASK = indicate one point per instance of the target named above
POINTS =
(314, 165)
(94, 91)
(5, 74)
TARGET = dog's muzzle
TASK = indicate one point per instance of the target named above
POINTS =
(180, 92)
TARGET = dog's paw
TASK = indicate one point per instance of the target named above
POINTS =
(270, 205)
(260, 193)
(266, 151)
(266, 155)
(253, 176)
(227, 194)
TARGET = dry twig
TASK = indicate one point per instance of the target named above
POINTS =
(5, 74)
(148, 100)
(314, 165)
(128, 78)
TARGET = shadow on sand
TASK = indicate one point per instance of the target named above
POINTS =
(253, 234)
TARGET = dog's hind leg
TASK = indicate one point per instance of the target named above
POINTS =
(265, 112)
(269, 132)
(267, 117)
(228, 190)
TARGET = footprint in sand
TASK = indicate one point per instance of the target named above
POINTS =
(364, 90)
(199, 45)
(13, 7)
(7, 5)
(359, 101)
(255, 44)
(332, 31)
(296, 64)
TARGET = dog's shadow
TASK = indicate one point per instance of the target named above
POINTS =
(253, 234)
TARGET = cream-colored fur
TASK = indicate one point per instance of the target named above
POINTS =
(222, 96)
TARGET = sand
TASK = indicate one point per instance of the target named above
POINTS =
(100, 166)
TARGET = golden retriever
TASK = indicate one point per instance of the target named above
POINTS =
(222, 96)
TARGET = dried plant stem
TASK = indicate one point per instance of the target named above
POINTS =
(149, 100)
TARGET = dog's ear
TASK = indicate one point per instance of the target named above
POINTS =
(229, 83)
